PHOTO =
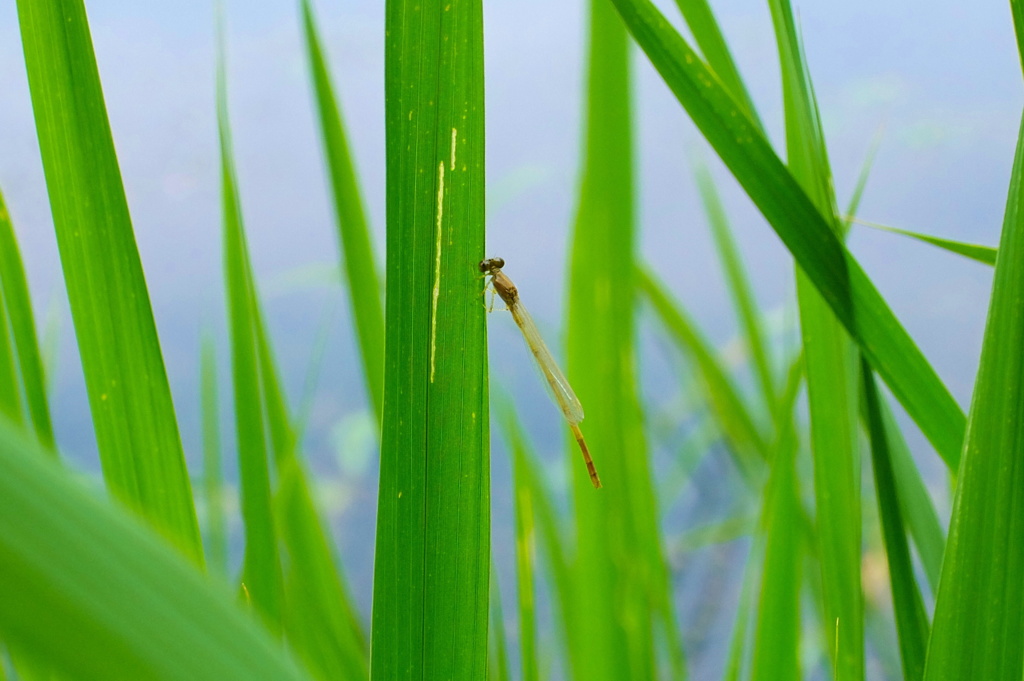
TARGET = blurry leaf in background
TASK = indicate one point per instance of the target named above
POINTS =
(17, 310)
(93, 594)
(623, 600)
(129, 395)
(739, 286)
(354, 232)
(776, 652)
(213, 481)
(747, 444)
(262, 581)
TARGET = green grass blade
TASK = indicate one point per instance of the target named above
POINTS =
(15, 294)
(618, 525)
(711, 41)
(89, 591)
(916, 505)
(740, 632)
(739, 285)
(132, 411)
(498, 669)
(776, 644)
(10, 388)
(353, 230)
(908, 606)
(830, 360)
(862, 182)
(1017, 8)
(321, 623)
(724, 399)
(320, 619)
(550, 532)
(776, 652)
(213, 482)
(807, 235)
(525, 557)
(983, 254)
(433, 523)
(978, 625)
(261, 571)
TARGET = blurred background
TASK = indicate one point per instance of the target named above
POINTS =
(936, 83)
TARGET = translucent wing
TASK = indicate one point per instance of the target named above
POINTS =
(561, 391)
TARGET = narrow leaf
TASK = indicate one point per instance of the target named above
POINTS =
(15, 293)
(353, 229)
(213, 482)
(911, 620)
(983, 254)
(739, 285)
(724, 399)
(129, 395)
(261, 571)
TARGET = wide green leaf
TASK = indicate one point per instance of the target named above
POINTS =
(806, 233)
(90, 592)
(979, 609)
(433, 521)
(129, 395)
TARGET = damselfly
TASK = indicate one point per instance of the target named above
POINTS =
(562, 392)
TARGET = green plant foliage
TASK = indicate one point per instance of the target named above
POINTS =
(731, 413)
(14, 297)
(911, 620)
(213, 483)
(132, 412)
(805, 232)
(353, 230)
(831, 373)
(262, 581)
(523, 505)
(708, 34)
(776, 653)
(433, 523)
(983, 254)
(91, 593)
(979, 610)
(621, 587)
(739, 285)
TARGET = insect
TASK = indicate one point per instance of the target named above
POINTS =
(562, 392)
